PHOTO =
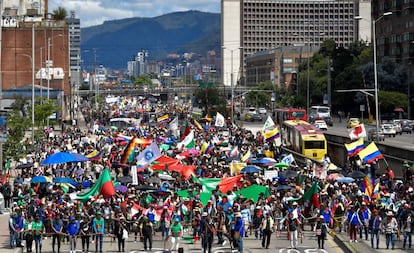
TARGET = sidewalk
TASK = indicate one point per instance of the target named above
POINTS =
(342, 239)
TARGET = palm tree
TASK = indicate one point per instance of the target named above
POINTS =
(60, 13)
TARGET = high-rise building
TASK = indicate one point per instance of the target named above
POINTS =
(251, 26)
(74, 49)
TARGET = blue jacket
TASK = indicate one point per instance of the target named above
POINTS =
(72, 228)
(239, 226)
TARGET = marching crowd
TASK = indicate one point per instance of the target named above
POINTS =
(42, 210)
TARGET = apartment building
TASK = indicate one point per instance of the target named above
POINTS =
(252, 26)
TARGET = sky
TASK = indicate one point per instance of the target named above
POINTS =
(95, 12)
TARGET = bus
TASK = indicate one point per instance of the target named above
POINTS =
(304, 138)
(320, 112)
(282, 114)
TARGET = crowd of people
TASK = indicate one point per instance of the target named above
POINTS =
(157, 205)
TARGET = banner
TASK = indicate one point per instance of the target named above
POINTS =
(134, 175)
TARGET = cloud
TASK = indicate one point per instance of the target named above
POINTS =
(95, 12)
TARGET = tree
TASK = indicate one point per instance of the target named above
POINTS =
(17, 124)
(143, 80)
(391, 99)
(60, 14)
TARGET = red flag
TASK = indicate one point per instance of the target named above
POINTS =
(187, 130)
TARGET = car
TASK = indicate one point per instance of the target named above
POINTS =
(353, 122)
(406, 126)
(252, 117)
(397, 127)
(388, 129)
(252, 110)
(257, 117)
(372, 135)
(262, 110)
(321, 124)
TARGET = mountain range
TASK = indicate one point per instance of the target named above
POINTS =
(116, 42)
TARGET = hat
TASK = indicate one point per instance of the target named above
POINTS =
(390, 213)
(363, 203)
(238, 214)
(98, 213)
(258, 207)
(295, 203)
(321, 217)
(165, 207)
(204, 214)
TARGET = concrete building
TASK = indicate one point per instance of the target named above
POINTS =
(279, 65)
(27, 24)
(251, 26)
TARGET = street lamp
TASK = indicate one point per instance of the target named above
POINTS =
(377, 119)
(232, 81)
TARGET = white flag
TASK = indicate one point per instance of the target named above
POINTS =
(219, 120)
(357, 132)
(174, 124)
(134, 175)
(269, 123)
(288, 159)
(149, 154)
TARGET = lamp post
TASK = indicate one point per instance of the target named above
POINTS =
(377, 117)
(374, 44)
(232, 81)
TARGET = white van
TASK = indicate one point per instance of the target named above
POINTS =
(320, 112)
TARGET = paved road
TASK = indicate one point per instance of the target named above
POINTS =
(251, 245)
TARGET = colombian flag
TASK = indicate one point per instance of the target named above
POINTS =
(198, 125)
(163, 118)
(272, 135)
(370, 153)
(353, 148)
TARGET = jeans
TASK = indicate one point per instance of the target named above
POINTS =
(56, 239)
(29, 242)
(98, 242)
(390, 238)
(164, 230)
(240, 244)
(38, 243)
(175, 243)
(85, 242)
(267, 233)
(72, 242)
(375, 233)
(407, 237)
(293, 239)
(365, 230)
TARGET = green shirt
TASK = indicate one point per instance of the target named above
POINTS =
(37, 227)
(28, 227)
(176, 229)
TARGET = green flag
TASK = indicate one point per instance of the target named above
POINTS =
(253, 192)
(309, 193)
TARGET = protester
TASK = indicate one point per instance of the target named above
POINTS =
(267, 227)
(293, 228)
(98, 226)
(375, 226)
(84, 231)
(207, 231)
(176, 233)
(390, 227)
(147, 231)
(72, 229)
(320, 230)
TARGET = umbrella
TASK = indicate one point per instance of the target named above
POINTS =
(283, 187)
(356, 174)
(124, 180)
(281, 165)
(166, 177)
(64, 180)
(64, 157)
(40, 179)
(250, 169)
(346, 180)
(288, 173)
(398, 109)
(265, 161)
(24, 166)
(334, 176)
(121, 188)
(145, 187)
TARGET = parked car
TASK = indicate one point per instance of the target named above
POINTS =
(372, 135)
(388, 129)
(262, 110)
(353, 122)
(321, 124)
(257, 117)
